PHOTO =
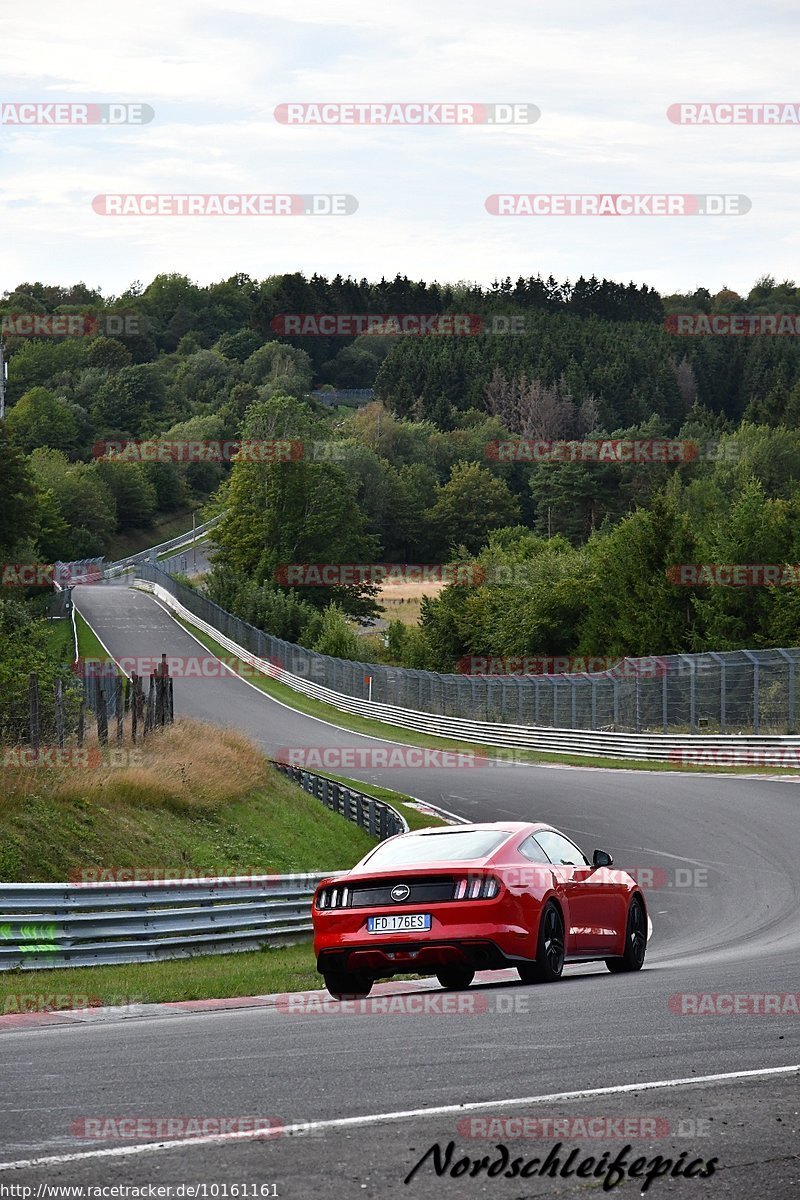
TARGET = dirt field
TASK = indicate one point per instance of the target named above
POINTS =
(400, 599)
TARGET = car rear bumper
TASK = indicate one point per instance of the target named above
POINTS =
(404, 958)
(497, 939)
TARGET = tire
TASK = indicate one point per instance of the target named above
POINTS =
(455, 979)
(549, 949)
(343, 986)
(635, 941)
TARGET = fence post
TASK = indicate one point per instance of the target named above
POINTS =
(119, 704)
(720, 661)
(81, 720)
(59, 713)
(150, 714)
(33, 709)
(134, 701)
(664, 702)
(790, 670)
(102, 718)
(756, 689)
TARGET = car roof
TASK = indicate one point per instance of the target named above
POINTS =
(509, 827)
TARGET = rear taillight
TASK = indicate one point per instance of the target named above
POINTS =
(333, 897)
(477, 887)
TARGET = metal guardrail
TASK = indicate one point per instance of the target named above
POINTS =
(588, 743)
(80, 924)
(735, 692)
(374, 816)
(152, 552)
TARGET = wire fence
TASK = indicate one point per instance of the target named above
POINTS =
(54, 712)
(739, 691)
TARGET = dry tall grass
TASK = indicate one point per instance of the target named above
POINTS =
(187, 765)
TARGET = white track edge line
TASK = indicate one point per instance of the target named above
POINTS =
(249, 1135)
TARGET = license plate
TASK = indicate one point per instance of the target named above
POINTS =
(399, 923)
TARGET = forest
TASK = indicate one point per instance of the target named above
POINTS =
(576, 555)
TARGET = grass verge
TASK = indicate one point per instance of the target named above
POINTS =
(212, 976)
(379, 729)
(399, 800)
(171, 526)
(193, 797)
(89, 645)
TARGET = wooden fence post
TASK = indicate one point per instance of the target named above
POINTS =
(60, 713)
(33, 708)
(134, 707)
(119, 706)
(102, 718)
(150, 717)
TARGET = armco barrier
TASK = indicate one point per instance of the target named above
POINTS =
(736, 691)
(374, 816)
(151, 554)
(586, 743)
(78, 924)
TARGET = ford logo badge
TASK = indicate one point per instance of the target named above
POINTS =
(401, 892)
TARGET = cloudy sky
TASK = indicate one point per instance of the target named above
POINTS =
(602, 72)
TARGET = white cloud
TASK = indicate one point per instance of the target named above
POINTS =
(602, 75)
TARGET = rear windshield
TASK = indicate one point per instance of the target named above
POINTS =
(420, 849)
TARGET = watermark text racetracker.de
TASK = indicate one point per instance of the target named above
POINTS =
(733, 324)
(227, 450)
(61, 325)
(71, 112)
(76, 758)
(595, 450)
(378, 574)
(608, 204)
(409, 1004)
(223, 878)
(33, 574)
(735, 1004)
(737, 756)
(418, 112)
(395, 324)
(224, 204)
(588, 1127)
(336, 758)
(195, 666)
(164, 1128)
(562, 664)
(738, 112)
(734, 575)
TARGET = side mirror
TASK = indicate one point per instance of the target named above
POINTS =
(601, 858)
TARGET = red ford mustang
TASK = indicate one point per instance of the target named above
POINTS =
(455, 900)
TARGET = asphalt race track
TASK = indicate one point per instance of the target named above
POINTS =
(371, 1089)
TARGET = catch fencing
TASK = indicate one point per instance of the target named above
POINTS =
(737, 692)
(351, 397)
(53, 713)
(124, 565)
(79, 924)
